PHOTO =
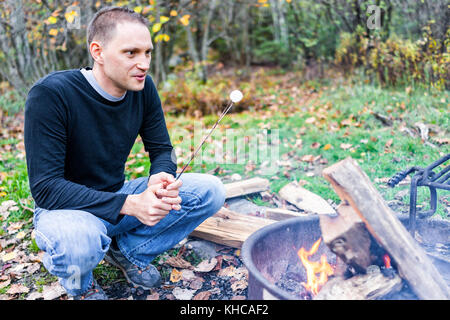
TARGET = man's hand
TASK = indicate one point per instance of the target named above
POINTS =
(168, 193)
(146, 206)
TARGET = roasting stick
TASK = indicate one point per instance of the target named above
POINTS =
(235, 96)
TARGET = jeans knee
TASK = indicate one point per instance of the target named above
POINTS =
(70, 247)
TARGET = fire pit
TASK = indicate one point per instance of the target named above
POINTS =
(271, 255)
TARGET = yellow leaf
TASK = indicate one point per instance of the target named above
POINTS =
(52, 20)
(70, 16)
(164, 19)
(173, 13)
(138, 9)
(327, 146)
(166, 37)
(175, 275)
(53, 32)
(2, 194)
(156, 27)
(185, 19)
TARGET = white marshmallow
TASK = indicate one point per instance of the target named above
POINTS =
(236, 96)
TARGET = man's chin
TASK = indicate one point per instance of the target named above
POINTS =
(136, 86)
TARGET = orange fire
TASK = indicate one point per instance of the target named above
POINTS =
(314, 283)
(387, 261)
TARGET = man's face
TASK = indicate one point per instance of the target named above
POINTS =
(126, 57)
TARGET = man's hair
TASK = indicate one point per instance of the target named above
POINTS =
(104, 22)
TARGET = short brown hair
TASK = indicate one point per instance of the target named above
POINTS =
(104, 22)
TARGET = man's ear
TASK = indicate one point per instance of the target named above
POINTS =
(96, 51)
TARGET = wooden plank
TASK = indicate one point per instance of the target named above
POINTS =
(305, 199)
(354, 186)
(346, 235)
(244, 187)
(229, 228)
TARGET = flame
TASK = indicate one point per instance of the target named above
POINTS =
(324, 269)
(387, 261)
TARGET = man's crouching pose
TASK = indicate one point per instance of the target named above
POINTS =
(80, 126)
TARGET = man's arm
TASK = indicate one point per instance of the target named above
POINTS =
(46, 120)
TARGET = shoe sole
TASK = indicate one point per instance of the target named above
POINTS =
(115, 263)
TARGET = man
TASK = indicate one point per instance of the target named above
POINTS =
(80, 126)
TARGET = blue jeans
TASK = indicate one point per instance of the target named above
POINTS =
(76, 241)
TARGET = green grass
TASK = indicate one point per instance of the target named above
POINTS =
(343, 115)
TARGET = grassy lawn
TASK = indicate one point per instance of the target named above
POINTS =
(287, 132)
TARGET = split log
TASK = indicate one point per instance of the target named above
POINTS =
(244, 187)
(354, 186)
(229, 228)
(371, 286)
(305, 199)
(346, 235)
(279, 214)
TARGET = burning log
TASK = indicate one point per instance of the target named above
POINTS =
(354, 186)
(346, 235)
(371, 286)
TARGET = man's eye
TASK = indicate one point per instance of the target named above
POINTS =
(130, 53)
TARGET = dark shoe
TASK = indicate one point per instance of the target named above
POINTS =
(95, 292)
(146, 278)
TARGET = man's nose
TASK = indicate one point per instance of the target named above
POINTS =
(143, 63)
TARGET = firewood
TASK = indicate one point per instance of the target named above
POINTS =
(371, 286)
(346, 235)
(354, 186)
(229, 228)
(305, 199)
(244, 187)
(279, 214)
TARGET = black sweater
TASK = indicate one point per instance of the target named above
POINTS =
(77, 142)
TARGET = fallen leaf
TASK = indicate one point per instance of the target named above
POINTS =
(227, 272)
(206, 265)
(389, 143)
(183, 294)
(310, 120)
(327, 146)
(187, 275)
(153, 296)
(53, 291)
(239, 285)
(307, 158)
(345, 146)
(204, 295)
(4, 283)
(9, 256)
(178, 262)
(34, 295)
(20, 235)
(175, 275)
(196, 284)
(17, 288)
